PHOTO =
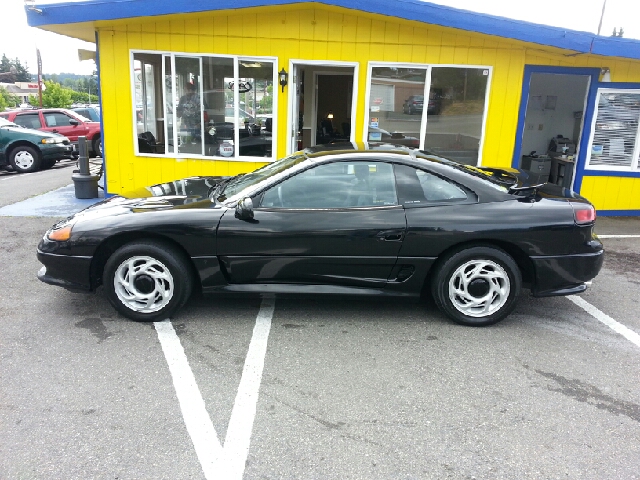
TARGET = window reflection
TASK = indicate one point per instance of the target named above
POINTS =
(396, 104)
(204, 116)
(148, 102)
(252, 121)
(189, 110)
(455, 111)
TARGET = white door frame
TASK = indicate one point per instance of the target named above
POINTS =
(292, 114)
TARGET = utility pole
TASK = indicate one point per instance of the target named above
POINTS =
(39, 76)
(604, 4)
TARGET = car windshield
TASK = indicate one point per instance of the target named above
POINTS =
(6, 123)
(82, 117)
(239, 183)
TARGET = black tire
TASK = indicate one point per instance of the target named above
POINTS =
(96, 145)
(496, 282)
(167, 281)
(25, 159)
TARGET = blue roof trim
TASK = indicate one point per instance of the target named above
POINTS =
(582, 42)
(618, 213)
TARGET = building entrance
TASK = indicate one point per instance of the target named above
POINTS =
(322, 106)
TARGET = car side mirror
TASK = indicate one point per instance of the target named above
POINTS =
(75, 123)
(244, 209)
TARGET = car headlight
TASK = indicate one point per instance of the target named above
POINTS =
(54, 140)
(61, 232)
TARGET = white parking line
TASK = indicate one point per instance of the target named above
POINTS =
(626, 332)
(199, 425)
(13, 176)
(618, 236)
(236, 444)
(219, 462)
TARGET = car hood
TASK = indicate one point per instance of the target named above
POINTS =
(189, 189)
(30, 131)
(187, 193)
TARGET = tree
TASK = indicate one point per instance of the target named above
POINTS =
(22, 72)
(7, 99)
(83, 97)
(266, 102)
(53, 96)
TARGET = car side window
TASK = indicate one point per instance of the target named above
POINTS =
(28, 120)
(56, 119)
(336, 185)
(419, 187)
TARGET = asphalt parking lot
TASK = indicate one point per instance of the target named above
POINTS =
(315, 388)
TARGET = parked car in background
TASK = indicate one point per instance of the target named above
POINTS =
(368, 220)
(62, 121)
(413, 105)
(27, 150)
(90, 112)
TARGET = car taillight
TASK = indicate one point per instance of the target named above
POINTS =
(583, 213)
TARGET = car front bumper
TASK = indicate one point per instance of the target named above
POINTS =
(57, 151)
(72, 273)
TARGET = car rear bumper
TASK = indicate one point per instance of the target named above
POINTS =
(72, 273)
(565, 275)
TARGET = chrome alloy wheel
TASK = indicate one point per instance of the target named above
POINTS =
(24, 160)
(479, 288)
(143, 284)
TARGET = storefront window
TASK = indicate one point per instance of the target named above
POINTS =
(396, 104)
(615, 144)
(448, 120)
(455, 112)
(213, 113)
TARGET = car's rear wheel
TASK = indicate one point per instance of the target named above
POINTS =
(147, 280)
(477, 286)
(25, 159)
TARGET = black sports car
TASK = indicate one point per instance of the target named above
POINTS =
(345, 219)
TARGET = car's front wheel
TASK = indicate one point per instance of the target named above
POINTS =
(147, 280)
(25, 159)
(97, 146)
(477, 286)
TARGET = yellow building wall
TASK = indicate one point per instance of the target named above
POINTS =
(315, 32)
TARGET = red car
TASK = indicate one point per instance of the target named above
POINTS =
(62, 121)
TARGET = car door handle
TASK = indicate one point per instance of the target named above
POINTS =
(391, 235)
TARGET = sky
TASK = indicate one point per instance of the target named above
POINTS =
(60, 54)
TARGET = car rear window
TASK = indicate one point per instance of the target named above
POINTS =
(28, 120)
